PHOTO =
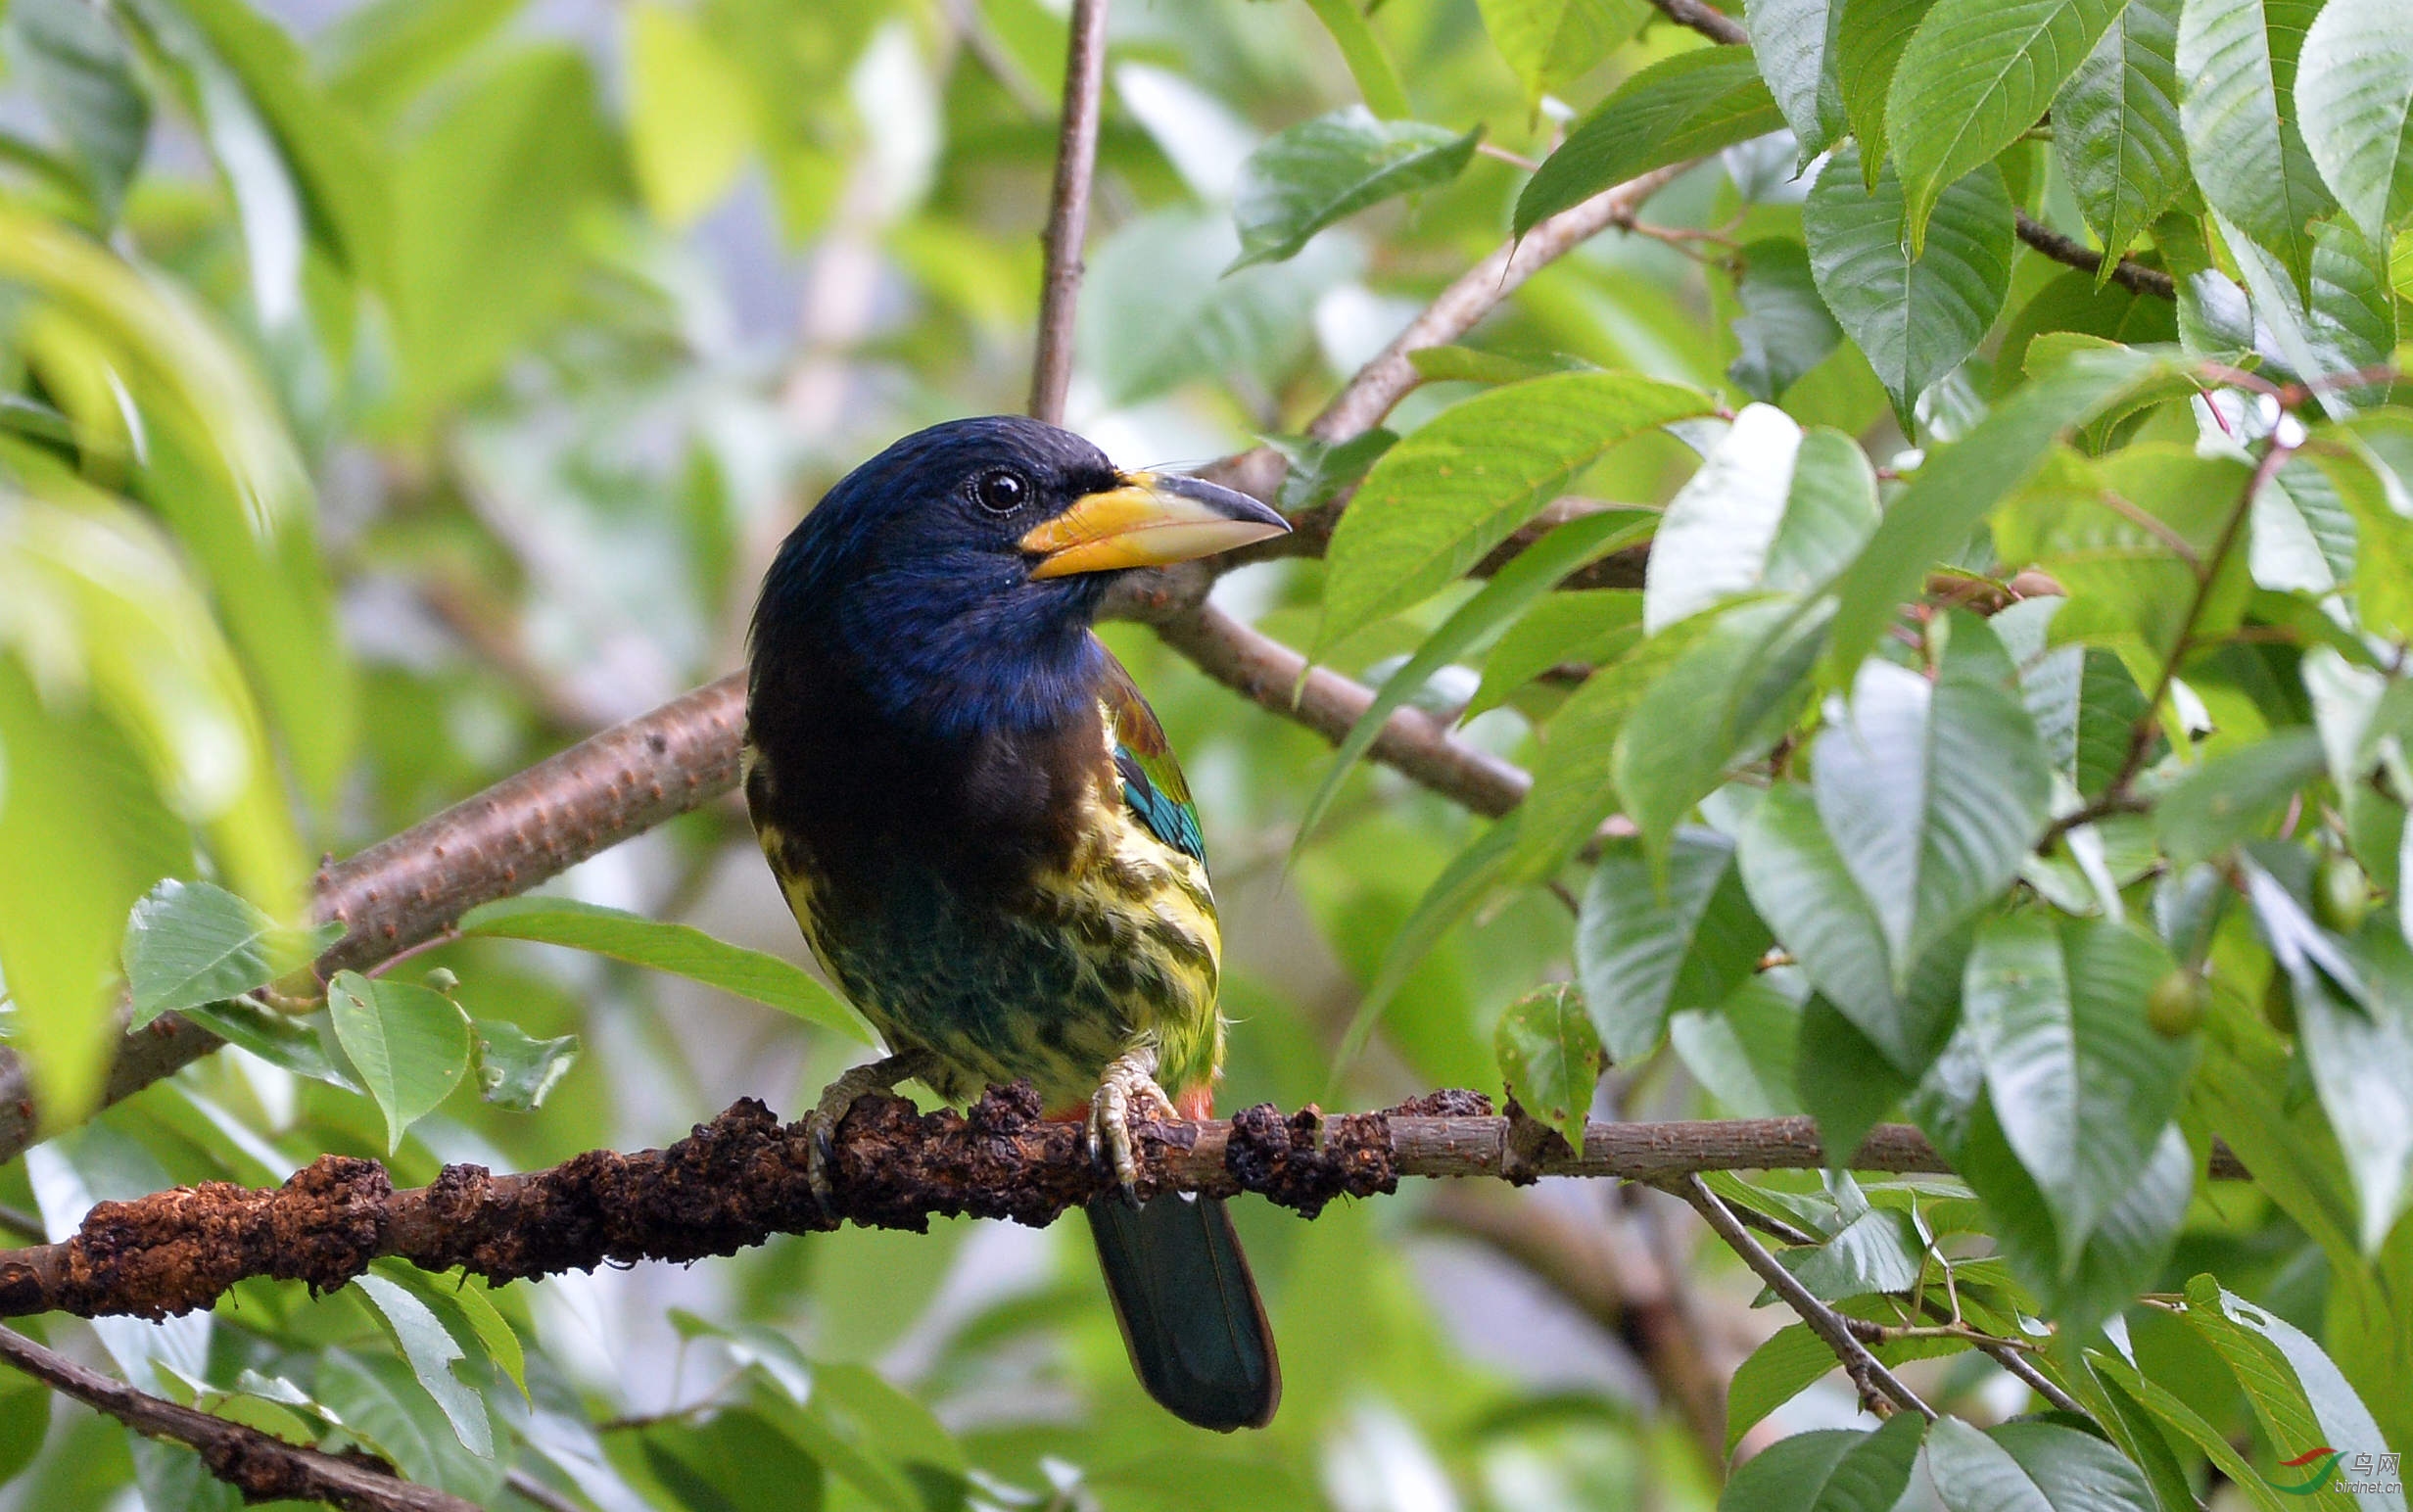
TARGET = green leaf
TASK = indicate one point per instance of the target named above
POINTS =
(1320, 470)
(1934, 791)
(516, 1072)
(1680, 107)
(1515, 587)
(1783, 329)
(2354, 95)
(1845, 1081)
(2237, 66)
(2296, 1391)
(1878, 1251)
(2081, 1084)
(1712, 542)
(690, 112)
(1588, 628)
(409, 1045)
(377, 1399)
(1726, 700)
(1958, 484)
(1913, 317)
(430, 1350)
(1792, 1359)
(1868, 45)
(2173, 1410)
(1323, 170)
(1551, 1057)
(300, 1046)
(1742, 1051)
(1976, 76)
(1830, 510)
(77, 66)
(2301, 535)
(1795, 41)
(1551, 44)
(1368, 63)
(494, 1331)
(2347, 324)
(680, 949)
(2115, 126)
(1464, 481)
(2237, 795)
(190, 943)
(1475, 364)
(2354, 1017)
(1644, 948)
(2031, 1467)
(1829, 1470)
(1798, 882)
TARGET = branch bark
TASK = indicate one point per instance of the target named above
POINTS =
(744, 1177)
(1068, 221)
(261, 1467)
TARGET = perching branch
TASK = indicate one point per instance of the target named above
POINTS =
(1067, 220)
(261, 1467)
(2129, 274)
(744, 1177)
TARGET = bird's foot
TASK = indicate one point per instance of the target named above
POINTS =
(821, 1123)
(1129, 1085)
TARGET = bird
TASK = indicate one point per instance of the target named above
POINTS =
(988, 843)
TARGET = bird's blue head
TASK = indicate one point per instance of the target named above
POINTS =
(953, 578)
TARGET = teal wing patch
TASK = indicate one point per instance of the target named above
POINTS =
(1152, 787)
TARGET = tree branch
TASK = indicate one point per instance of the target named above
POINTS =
(261, 1467)
(1067, 220)
(744, 1177)
(1866, 1371)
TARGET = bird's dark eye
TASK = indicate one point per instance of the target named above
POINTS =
(1002, 489)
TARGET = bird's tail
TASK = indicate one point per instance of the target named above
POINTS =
(1190, 1313)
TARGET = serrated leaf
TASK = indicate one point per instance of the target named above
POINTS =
(1868, 45)
(2354, 98)
(1934, 791)
(1976, 76)
(2236, 65)
(430, 1350)
(1878, 1251)
(1511, 590)
(2081, 1084)
(1913, 317)
(2031, 1467)
(411, 1045)
(1325, 169)
(1643, 950)
(516, 1072)
(1784, 329)
(2297, 1393)
(2346, 321)
(191, 943)
(1958, 485)
(1678, 108)
(1465, 480)
(2115, 126)
(1829, 1470)
(1551, 1057)
(1795, 41)
(1551, 44)
(680, 949)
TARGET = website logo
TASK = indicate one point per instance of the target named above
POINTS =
(2317, 1467)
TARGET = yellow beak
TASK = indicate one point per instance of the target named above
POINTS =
(1148, 520)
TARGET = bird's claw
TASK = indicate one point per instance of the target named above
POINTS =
(1129, 1084)
(820, 1125)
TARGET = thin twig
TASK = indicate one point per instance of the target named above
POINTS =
(261, 1467)
(1866, 1371)
(2141, 738)
(537, 1494)
(1067, 220)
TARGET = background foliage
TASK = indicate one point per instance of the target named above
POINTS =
(397, 392)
